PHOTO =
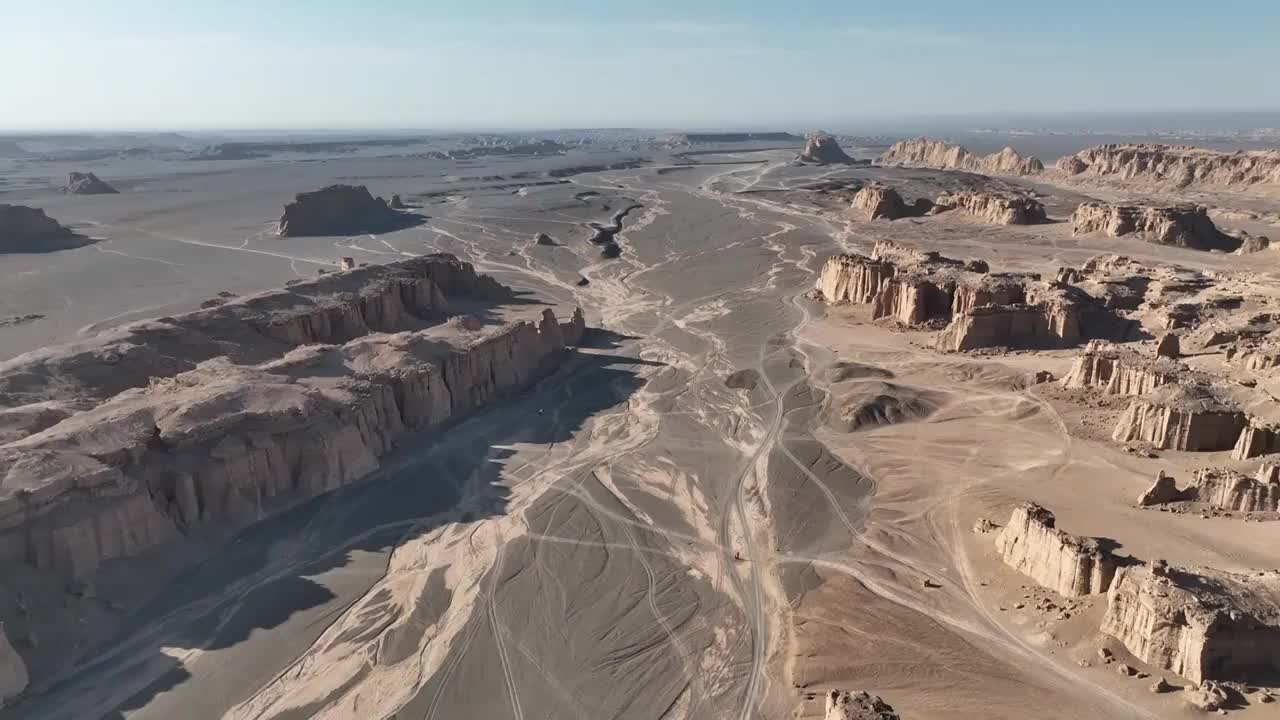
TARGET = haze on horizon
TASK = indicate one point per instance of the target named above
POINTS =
(146, 64)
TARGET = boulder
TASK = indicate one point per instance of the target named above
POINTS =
(1208, 696)
(823, 149)
(340, 210)
(1067, 564)
(1176, 166)
(1250, 244)
(993, 208)
(930, 153)
(1168, 346)
(1199, 623)
(845, 705)
(88, 184)
(1185, 226)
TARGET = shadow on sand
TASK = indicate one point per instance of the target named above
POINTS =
(262, 576)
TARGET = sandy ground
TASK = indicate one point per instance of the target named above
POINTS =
(633, 538)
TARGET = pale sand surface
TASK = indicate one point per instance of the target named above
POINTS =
(632, 538)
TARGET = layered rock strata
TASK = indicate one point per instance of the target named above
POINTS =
(1219, 488)
(1185, 226)
(876, 201)
(1118, 370)
(1178, 166)
(1067, 564)
(339, 210)
(1201, 624)
(823, 149)
(984, 309)
(845, 705)
(228, 414)
(993, 208)
(1254, 354)
(88, 184)
(1258, 437)
(931, 153)
(1193, 417)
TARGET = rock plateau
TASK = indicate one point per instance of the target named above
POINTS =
(930, 153)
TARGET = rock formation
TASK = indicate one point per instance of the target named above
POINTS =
(984, 309)
(543, 239)
(1163, 491)
(339, 210)
(226, 414)
(845, 705)
(28, 229)
(1119, 370)
(1219, 488)
(397, 204)
(13, 671)
(1067, 564)
(929, 153)
(88, 184)
(1175, 416)
(1250, 244)
(1186, 226)
(1178, 166)
(1168, 346)
(1201, 624)
(1252, 354)
(877, 201)
(993, 208)
(869, 403)
(823, 149)
(1258, 437)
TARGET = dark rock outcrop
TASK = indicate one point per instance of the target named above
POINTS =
(341, 210)
(28, 229)
(88, 184)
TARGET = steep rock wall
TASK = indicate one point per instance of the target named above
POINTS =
(931, 153)
(1255, 439)
(993, 208)
(1068, 564)
(1186, 226)
(1173, 425)
(876, 201)
(1201, 624)
(1119, 371)
(1179, 166)
(13, 671)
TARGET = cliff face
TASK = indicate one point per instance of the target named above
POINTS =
(1231, 490)
(1200, 624)
(88, 184)
(845, 705)
(930, 153)
(1120, 371)
(877, 201)
(823, 149)
(993, 208)
(1182, 417)
(1179, 166)
(1067, 564)
(339, 210)
(1257, 438)
(307, 392)
(13, 671)
(1049, 316)
(1186, 226)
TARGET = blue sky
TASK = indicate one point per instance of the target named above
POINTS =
(655, 63)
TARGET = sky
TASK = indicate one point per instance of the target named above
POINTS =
(487, 64)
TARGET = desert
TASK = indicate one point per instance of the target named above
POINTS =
(567, 408)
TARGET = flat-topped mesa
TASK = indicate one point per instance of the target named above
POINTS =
(1178, 166)
(339, 210)
(1185, 226)
(228, 441)
(1051, 315)
(1122, 371)
(931, 153)
(1067, 564)
(823, 149)
(88, 184)
(1177, 416)
(993, 208)
(13, 671)
(1200, 623)
(845, 705)
(333, 308)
